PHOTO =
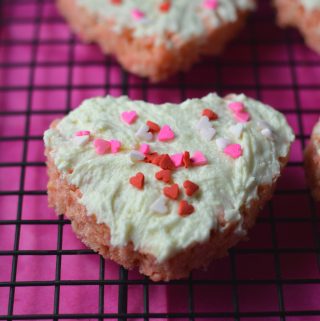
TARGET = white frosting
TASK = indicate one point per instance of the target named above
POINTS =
(185, 18)
(311, 4)
(225, 183)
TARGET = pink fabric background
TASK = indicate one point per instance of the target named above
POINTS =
(38, 60)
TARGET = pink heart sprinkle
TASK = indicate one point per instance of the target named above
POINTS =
(144, 149)
(165, 134)
(102, 146)
(82, 133)
(242, 117)
(115, 146)
(177, 159)
(129, 117)
(210, 4)
(137, 14)
(198, 159)
(233, 150)
(236, 106)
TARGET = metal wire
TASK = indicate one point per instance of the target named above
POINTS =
(183, 86)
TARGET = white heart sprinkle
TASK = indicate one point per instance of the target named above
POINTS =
(136, 156)
(203, 123)
(159, 206)
(265, 128)
(222, 143)
(207, 133)
(236, 130)
(144, 134)
(81, 140)
(266, 132)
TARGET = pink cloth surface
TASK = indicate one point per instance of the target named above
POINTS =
(44, 70)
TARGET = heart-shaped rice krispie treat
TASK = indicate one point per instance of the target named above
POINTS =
(157, 38)
(304, 15)
(165, 187)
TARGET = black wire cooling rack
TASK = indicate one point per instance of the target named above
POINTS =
(40, 57)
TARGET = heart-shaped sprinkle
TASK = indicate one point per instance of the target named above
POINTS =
(164, 175)
(186, 159)
(129, 117)
(185, 208)
(210, 4)
(222, 143)
(159, 206)
(82, 133)
(153, 127)
(116, 2)
(233, 150)
(136, 156)
(236, 106)
(166, 162)
(150, 157)
(264, 128)
(137, 180)
(236, 130)
(144, 134)
(144, 149)
(190, 187)
(177, 159)
(101, 146)
(242, 117)
(81, 140)
(207, 133)
(157, 159)
(137, 14)
(239, 112)
(172, 191)
(266, 132)
(115, 146)
(203, 123)
(210, 114)
(198, 159)
(165, 6)
(165, 134)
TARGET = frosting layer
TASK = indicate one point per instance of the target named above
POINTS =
(182, 20)
(225, 184)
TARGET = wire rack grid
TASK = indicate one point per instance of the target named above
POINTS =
(46, 274)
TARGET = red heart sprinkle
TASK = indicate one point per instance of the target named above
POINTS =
(137, 181)
(157, 160)
(164, 175)
(186, 159)
(150, 157)
(210, 114)
(165, 6)
(171, 191)
(190, 187)
(116, 1)
(185, 208)
(166, 162)
(153, 127)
